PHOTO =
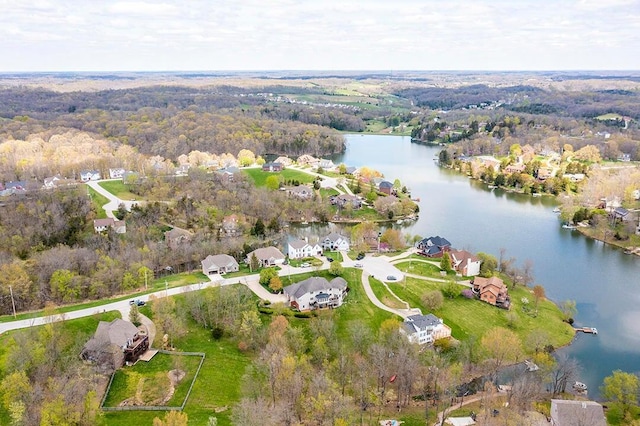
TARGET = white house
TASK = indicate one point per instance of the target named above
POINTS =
(267, 256)
(116, 173)
(219, 264)
(51, 182)
(102, 225)
(423, 329)
(87, 175)
(316, 293)
(298, 249)
(465, 263)
(335, 241)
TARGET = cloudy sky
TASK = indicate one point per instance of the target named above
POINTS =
(155, 35)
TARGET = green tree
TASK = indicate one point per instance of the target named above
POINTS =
(16, 388)
(621, 388)
(272, 182)
(266, 274)
(258, 228)
(336, 269)
(172, 418)
(488, 266)
(445, 262)
(246, 157)
(65, 285)
(254, 264)
(134, 315)
(569, 310)
(451, 290)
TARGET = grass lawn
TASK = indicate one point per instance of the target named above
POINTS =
(335, 255)
(260, 178)
(119, 189)
(98, 200)
(127, 379)
(472, 318)
(384, 296)
(325, 193)
(420, 267)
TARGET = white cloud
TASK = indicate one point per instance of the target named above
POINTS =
(332, 34)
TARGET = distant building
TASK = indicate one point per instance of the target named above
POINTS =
(88, 175)
(176, 237)
(116, 173)
(272, 167)
(102, 225)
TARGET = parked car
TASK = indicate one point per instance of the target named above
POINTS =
(305, 265)
(358, 265)
(136, 302)
(330, 259)
(391, 278)
(360, 256)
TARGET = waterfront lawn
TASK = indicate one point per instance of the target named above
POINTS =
(119, 189)
(260, 178)
(98, 200)
(420, 267)
(472, 318)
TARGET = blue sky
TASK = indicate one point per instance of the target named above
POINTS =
(98, 35)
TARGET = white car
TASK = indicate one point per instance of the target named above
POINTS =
(305, 265)
(358, 265)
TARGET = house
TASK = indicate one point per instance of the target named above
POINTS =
(489, 161)
(176, 237)
(182, 170)
(316, 293)
(514, 168)
(115, 343)
(307, 160)
(231, 226)
(116, 173)
(350, 170)
(325, 164)
(302, 192)
(636, 194)
(219, 264)
(433, 246)
(227, 174)
(102, 225)
(272, 167)
(545, 173)
(576, 413)
(624, 157)
(51, 182)
(492, 290)
(267, 256)
(574, 177)
(385, 187)
(621, 214)
(285, 161)
(423, 329)
(87, 175)
(18, 186)
(298, 249)
(465, 263)
(343, 199)
(335, 241)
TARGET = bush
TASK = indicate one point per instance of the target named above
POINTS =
(303, 314)
(264, 310)
(451, 290)
(433, 300)
(468, 293)
(217, 333)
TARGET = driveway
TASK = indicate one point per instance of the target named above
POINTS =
(114, 202)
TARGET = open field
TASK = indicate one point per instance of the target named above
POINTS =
(119, 189)
(260, 178)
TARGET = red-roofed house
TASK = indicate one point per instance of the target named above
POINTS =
(465, 263)
(492, 290)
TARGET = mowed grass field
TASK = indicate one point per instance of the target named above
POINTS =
(119, 189)
(260, 178)
(472, 318)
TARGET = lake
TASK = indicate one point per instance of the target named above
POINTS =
(601, 279)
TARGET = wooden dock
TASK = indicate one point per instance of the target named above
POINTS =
(590, 330)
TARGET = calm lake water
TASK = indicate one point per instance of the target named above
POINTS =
(602, 280)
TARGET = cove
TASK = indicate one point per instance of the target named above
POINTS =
(603, 281)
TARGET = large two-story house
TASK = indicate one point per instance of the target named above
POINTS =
(423, 329)
(316, 293)
(465, 263)
(433, 246)
(335, 241)
(298, 249)
(492, 290)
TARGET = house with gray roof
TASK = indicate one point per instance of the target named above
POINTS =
(87, 175)
(219, 264)
(316, 293)
(298, 249)
(423, 329)
(335, 241)
(267, 256)
(302, 192)
(576, 413)
(115, 343)
(433, 246)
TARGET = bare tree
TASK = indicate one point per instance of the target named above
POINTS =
(566, 371)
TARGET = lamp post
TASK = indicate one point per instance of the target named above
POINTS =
(379, 235)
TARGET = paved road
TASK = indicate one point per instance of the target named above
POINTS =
(114, 202)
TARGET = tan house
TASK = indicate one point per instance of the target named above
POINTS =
(176, 237)
(219, 264)
(267, 256)
(492, 290)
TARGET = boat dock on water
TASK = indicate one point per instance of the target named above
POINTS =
(590, 330)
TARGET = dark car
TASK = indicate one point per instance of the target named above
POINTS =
(391, 278)
(329, 259)
(136, 302)
(360, 256)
